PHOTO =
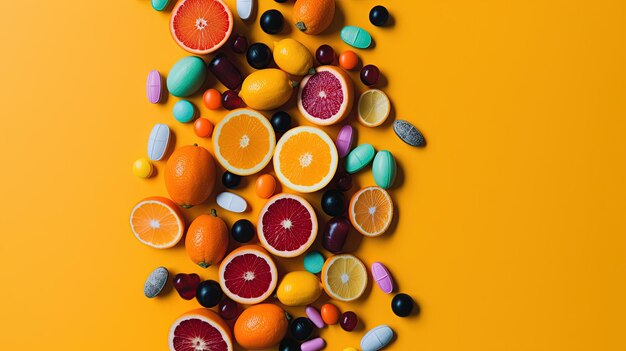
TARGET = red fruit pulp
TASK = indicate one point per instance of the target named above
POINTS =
(195, 334)
(201, 25)
(248, 276)
(287, 225)
(322, 96)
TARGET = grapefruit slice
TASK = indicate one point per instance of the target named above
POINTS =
(305, 159)
(344, 277)
(157, 222)
(201, 26)
(200, 329)
(287, 225)
(244, 142)
(371, 211)
(248, 275)
(325, 97)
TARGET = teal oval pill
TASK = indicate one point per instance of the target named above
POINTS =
(160, 5)
(186, 76)
(314, 262)
(184, 111)
(356, 36)
(359, 157)
(384, 169)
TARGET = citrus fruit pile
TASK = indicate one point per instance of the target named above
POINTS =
(253, 134)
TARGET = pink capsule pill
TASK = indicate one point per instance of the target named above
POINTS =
(313, 345)
(315, 316)
(344, 140)
(154, 86)
(382, 277)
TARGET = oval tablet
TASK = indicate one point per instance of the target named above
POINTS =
(356, 36)
(359, 158)
(313, 345)
(231, 202)
(245, 8)
(384, 169)
(377, 338)
(154, 87)
(186, 76)
(314, 316)
(408, 133)
(155, 282)
(382, 277)
(160, 5)
(265, 186)
(314, 262)
(344, 140)
(158, 142)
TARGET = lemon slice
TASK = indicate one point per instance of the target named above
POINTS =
(374, 108)
(344, 277)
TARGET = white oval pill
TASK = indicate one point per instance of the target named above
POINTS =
(245, 8)
(231, 202)
(158, 141)
(377, 338)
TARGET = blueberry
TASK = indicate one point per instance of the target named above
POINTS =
(281, 121)
(402, 305)
(379, 16)
(209, 293)
(301, 328)
(272, 21)
(230, 180)
(242, 231)
(259, 55)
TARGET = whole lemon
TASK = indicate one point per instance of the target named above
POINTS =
(266, 89)
(299, 288)
(293, 57)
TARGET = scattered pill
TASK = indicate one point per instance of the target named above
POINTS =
(142, 168)
(348, 60)
(350, 349)
(184, 111)
(379, 15)
(231, 202)
(344, 140)
(359, 158)
(377, 338)
(382, 277)
(313, 345)
(402, 305)
(384, 169)
(245, 8)
(154, 87)
(348, 321)
(356, 36)
(301, 328)
(315, 316)
(330, 314)
(186, 76)
(265, 186)
(226, 71)
(408, 133)
(158, 141)
(160, 5)
(239, 44)
(231, 180)
(155, 282)
(212, 99)
(314, 262)
(203, 127)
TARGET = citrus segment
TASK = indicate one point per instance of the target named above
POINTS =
(344, 277)
(248, 275)
(305, 159)
(371, 211)
(201, 26)
(200, 329)
(244, 142)
(287, 225)
(157, 222)
(325, 97)
(374, 108)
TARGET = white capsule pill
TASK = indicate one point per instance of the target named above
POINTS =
(377, 338)
(245, 8)
(158, 141)
(231, 202)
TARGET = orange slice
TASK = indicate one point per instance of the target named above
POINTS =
(157, 222)
(344, 277)
(371, 211)
(244, 142)
(305, 159)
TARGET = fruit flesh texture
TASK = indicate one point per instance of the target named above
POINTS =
(287, 224)
(167, 215)
(243, 141)
(371, 211)
(312, 155)
(323, 95)
(248, 276)
(195, 18)
(345, 277)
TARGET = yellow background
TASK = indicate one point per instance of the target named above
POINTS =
(511, 231)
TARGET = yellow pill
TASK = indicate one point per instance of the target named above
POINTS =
(350, 349)
(142, 168)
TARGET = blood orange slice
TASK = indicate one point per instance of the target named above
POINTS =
(248, 275)
(287, 225)
(325, 97)
(201, 26)
(200, 329)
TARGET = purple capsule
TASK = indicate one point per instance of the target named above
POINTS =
(315, 316)
(336, 233)
(344, 140)
(154, 87)
(313, 345)
(239, 44)
(226, 72)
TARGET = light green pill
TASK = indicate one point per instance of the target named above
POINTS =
(184, 111)
(360, 157)
(313, 262)
(160, 5)
(356, 36)
(384, 169)
(186, 76)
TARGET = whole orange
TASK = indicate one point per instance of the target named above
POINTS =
(313, 16)
(190, 175)
(207, 240)
(261, 326)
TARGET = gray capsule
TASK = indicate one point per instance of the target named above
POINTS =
(408, 133)
(155, 282)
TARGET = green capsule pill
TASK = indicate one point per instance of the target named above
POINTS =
(160, 5)
(184, 111)
(356, 36)
(186, 76)
(313, 262)
(384, 169)
(360, 157)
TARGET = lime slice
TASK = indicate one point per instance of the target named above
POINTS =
(374, 108)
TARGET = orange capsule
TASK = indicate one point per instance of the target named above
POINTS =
(265, 186)
(330, 314)
(203, 127)
(348, 60)
(212, 99)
